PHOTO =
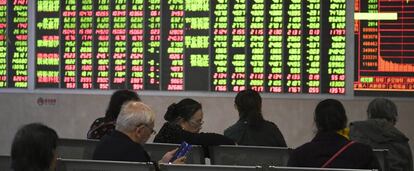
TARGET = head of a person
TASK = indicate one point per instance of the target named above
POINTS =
(187, 113)
(34, 148)
(330, 116)
(381, 108)
(118, 98)
(249, 104)
(136, 120)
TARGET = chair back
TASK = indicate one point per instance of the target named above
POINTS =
(100, 165)
(249, 155)
(5, 163)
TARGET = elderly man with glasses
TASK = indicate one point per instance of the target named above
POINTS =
(134, 126)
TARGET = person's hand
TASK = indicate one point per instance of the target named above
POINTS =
(169, 155)
(180, 160)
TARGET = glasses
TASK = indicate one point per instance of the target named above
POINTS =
(196, 123)
(153, 132)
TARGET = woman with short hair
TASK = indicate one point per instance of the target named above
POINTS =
(379, 131)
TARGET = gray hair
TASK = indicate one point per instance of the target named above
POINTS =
(382, 108)
(132, 114)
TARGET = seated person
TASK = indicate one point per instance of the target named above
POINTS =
(104, 125)
(34, 148)
(184, 122)
(329, 148)
(252, 128)
(134, 126)
(379, 131)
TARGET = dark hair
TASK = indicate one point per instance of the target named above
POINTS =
(184, 109)
(117, 100)
(249, 105)
(330, 116)
(382, 108)
(33, 148)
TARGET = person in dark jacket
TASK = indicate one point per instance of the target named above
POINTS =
(379, 131)
(104, 125)
(134, 126)
(184, 122)
(252, 128)
(330, 118)
(34, 148)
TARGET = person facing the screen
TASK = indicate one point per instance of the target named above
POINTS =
(184, 122)
(34, 148)
(252, 128)
(329, 148)
(104, 125)
(379, 132)
(134, 126)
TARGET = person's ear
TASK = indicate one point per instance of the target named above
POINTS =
(139, 130)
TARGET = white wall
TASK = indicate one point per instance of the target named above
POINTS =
(71, 114)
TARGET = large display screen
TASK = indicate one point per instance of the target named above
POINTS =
(275, 46)
(384, 51)
(13, 44)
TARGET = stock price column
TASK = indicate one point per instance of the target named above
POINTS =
(47, 43)
(135, 44)
(312, 49)
(153, 47)
(334, 41)
(256, 43)
(85, 46)
(275, 46)
(17, 27)
(102, 61)
(172, 56)
(236, 50)
(68, 48)
(119, 44)
(196, 63)
(3, 44)
(294, 47)
(218, 44)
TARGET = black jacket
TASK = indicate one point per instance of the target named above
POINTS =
(172, 133)
(100, 127)
(324, 145)
(379, 133)
(119, 147)
(266, 134)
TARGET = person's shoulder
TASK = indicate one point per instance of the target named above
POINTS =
(306, 148)
(236, 127)
(97, 122)
(169, 133)
(361, 147)
(270, 124)
(99, 128)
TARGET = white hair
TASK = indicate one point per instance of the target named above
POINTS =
(132, 114)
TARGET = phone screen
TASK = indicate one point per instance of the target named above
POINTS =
(182, 151)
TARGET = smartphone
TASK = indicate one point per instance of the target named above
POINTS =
(182, 151)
